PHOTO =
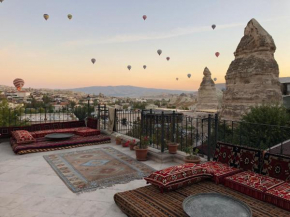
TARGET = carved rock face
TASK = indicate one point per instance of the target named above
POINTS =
(207, 96)
(253, 77)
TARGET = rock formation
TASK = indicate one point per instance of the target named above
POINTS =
(207, 96)
(253, 77)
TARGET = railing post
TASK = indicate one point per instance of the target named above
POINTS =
(99, 116)
(209, 135)
(216, 119)
(104, 116)
(141, 124)
(150, 126)
(173, 127)
(115, 119)
(162, 132)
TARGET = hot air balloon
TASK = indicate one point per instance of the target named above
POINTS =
(213, 26)
(168, 58)
(129, 67)
(18, 83)
(93, 60)
(1, 1)
(144, 17)
(144, 66)
(176, 79)
(214, 79)
(159, 52)
(46, 16)
(69, 16)
(188, 75)
(217, 54)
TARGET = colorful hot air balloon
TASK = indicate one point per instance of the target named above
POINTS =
(188, 75)
(144, 17)
(18, 83)
(144, 67)
(69, 16)
(159, 52)
(129, 67)
(217, 54)
(46, 16)
(214, 79)
(213, 26)
(176, 79)
(93, 60)
(168, 58)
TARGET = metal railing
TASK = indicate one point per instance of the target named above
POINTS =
(202, 133)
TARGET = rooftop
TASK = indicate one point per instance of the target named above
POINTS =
(30, 188)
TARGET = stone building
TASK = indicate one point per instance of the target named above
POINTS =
(253, 77)
(207, 96)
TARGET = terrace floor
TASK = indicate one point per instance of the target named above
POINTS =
(30, 188)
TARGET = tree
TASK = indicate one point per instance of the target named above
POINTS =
(10, 116)
(265, 126)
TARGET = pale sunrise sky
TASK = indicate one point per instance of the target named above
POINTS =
(57, 53)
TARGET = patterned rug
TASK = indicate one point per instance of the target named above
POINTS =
(96, 168)
(148, 201)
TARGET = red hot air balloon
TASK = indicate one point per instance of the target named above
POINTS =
(217, 54)
(18, 83)
(144, 17)
(168, 58)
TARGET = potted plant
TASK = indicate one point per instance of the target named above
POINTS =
(118, 140)
(172, 146)
(142, 148)
(125, 143)
(192, 155)
(132, 144)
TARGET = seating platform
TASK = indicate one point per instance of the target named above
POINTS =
(148, 201)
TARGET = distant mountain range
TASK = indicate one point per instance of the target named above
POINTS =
(127, 91)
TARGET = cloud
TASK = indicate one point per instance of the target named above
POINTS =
(150, 36)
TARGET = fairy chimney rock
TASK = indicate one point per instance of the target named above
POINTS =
(207, 96)
(253, 77)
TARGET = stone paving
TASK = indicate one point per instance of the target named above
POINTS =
(30, 188)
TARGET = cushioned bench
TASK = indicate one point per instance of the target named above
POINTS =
(278, 167)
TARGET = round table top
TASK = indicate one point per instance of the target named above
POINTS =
(59, 136)
(214, 204)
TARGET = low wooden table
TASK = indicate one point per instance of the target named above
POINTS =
(59, 136)
(215, 204)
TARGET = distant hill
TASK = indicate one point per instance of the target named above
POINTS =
(127, 91)
(223, 85)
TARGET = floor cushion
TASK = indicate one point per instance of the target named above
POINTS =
(42, 133)
(87, 132)
(22, 137)
(248, 159)
(177, 176)
(276, 166)
(219, 171)
(252, 184)
(66, 130)
(224, 153)
(279, 196)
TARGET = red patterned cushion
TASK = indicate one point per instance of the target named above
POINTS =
(276, 166)
(88, 132)
(252, 184)
(23, 137)
(42, 133)
(219, 171)
(248, 159)
(279, 196)
(66, 130)
(225, 153)
(177, 176)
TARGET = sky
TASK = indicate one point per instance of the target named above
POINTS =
(57, 53)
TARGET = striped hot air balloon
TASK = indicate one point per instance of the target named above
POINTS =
(18, 83)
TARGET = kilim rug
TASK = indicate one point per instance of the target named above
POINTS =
(91, 169)
(148, 201)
